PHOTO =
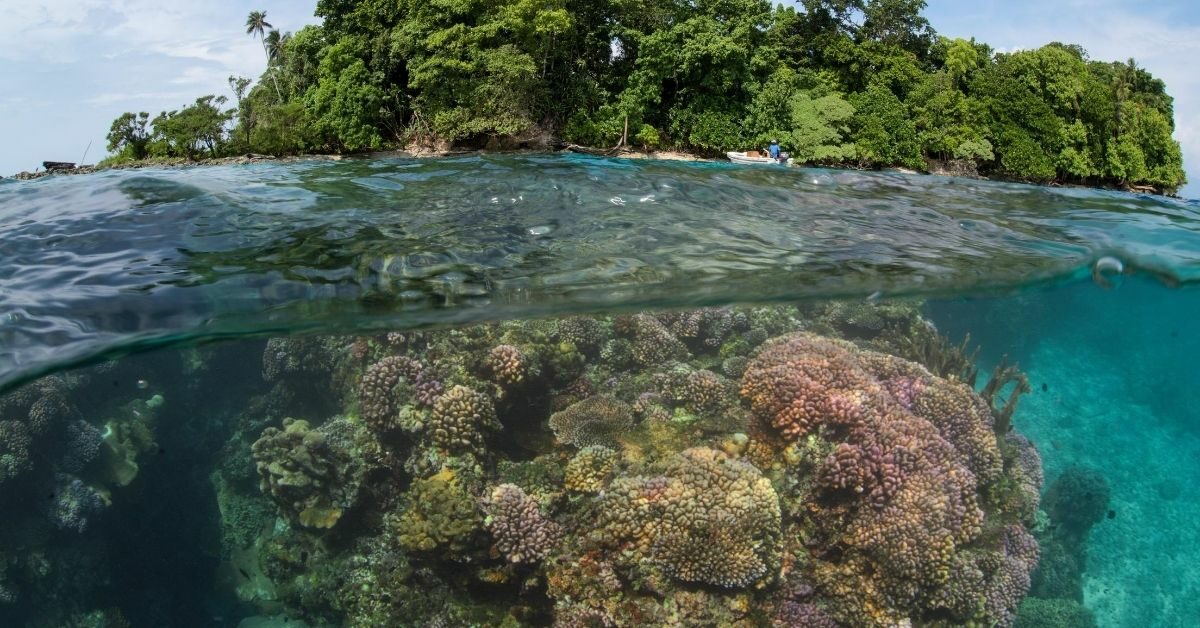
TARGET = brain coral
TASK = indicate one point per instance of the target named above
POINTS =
(597, 420)
(707, 518)
(899, 494)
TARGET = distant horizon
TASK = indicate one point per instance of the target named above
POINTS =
(160, 56)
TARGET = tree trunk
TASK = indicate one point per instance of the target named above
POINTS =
(267, 52)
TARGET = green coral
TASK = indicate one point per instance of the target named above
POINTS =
(438, 514)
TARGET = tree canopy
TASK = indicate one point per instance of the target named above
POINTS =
(865, 83)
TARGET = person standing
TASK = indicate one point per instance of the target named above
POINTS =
(773, 150)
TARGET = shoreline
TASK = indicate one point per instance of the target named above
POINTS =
(414, 152)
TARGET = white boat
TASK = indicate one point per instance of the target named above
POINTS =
(751, 158)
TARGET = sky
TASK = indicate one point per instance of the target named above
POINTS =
(69, 67)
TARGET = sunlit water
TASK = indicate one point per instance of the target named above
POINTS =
(1089, 292)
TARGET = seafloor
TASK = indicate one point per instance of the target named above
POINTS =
(821, 465)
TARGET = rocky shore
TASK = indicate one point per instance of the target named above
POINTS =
(952, 168)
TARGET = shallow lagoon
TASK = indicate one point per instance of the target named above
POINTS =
(469, 479)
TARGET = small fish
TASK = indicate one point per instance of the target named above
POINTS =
(1112, 514)
(245, 574)
(1045, 387)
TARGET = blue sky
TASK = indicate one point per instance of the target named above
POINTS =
(68, 67)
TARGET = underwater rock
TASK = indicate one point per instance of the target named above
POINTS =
(313, 475)
(1053, 613)
(1076, 501)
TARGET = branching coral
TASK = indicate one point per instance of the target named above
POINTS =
(651, 342)
(377, 398)
(460, 420)
(523, 534)
(900, 492)
(312, 476)
(510, 367)
(707, 518)
(597, 420)
(590, 469)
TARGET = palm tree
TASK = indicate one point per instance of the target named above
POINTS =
(256, 25)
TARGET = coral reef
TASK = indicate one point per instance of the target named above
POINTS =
(437, 513)
(523, 534)
(914, 452)
(590, 470)
(461, 420)
(707, 518)
(312, 477)
(711, 467)
(597, 420)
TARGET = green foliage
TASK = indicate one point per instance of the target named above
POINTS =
(345, 103)
(834, 80)
(128, 135)
(192, 130)
(884, 132)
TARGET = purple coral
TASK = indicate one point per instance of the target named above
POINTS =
(523, 534)
(376, 395)
(911, 454)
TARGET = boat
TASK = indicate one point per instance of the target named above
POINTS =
(752, 158)
(58, 165)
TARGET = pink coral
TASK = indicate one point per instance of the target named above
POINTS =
(523, 534)
(911, 453)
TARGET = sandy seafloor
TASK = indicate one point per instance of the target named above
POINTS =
(1143, 564)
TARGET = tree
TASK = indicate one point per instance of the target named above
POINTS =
(128, 134)
(256, 25)
(187, 132)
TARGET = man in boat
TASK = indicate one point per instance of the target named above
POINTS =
(774, 150)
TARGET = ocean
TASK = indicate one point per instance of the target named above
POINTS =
(576, 391)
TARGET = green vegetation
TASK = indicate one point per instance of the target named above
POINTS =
(843, 82)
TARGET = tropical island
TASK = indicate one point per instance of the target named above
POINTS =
(857, 83)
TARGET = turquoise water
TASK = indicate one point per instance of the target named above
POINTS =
(161, 299)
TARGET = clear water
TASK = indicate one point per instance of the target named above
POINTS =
(152, 295)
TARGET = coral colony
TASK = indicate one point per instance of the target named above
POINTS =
(812, 466)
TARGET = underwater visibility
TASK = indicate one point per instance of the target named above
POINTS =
(545, 390)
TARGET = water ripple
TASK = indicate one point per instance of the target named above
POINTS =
(123, 259)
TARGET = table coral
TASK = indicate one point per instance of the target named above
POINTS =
(597, 420)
